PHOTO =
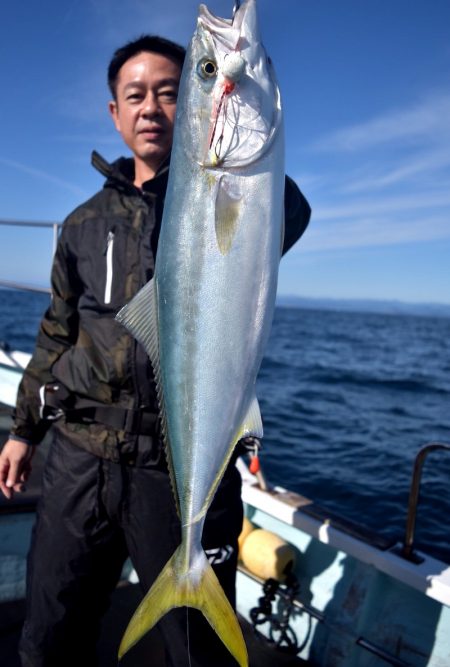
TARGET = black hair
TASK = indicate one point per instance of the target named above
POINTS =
(146, 43)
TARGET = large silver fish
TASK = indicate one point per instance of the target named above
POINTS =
(205, 317)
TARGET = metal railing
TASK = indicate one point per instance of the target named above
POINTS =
(55, 226)
(407, 549)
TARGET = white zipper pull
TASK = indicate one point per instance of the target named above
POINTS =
(109, 265)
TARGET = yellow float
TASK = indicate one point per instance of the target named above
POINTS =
(265, 554)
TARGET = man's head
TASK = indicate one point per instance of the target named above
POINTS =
(143, 77)
(146, 43)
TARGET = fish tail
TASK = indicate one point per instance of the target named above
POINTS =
(198, 588)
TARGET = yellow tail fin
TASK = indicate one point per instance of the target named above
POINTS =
(200, 590)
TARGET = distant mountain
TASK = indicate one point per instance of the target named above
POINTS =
(366, 306)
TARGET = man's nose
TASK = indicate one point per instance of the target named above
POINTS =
(151, 105)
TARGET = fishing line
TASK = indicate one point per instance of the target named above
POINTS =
(222, 107)
(187, 635)
(217, 119)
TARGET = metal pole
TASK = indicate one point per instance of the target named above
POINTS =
(55, 236)
(407, 550)
(24, 287)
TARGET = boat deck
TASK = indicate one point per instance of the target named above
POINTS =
(124, 602)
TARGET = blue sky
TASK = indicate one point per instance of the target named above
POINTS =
(366, 95)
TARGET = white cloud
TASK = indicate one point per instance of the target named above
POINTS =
(413, 167)
(384, 181)
(374, 231)
(427, 121)
(44, 176)
(405, 204)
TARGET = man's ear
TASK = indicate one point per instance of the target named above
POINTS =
(112, 106)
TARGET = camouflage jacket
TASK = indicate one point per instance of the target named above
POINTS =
(105, 253)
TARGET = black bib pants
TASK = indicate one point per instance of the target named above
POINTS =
(93, 513)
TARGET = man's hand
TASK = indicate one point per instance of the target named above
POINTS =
(15, 466)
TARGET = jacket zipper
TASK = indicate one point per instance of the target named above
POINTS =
(109, 266)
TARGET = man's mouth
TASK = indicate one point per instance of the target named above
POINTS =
(151, 132)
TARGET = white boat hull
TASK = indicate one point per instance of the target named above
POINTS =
(12, 365)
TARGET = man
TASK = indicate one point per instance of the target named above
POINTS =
(106, 491)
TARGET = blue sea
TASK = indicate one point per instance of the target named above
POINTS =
(348, 399)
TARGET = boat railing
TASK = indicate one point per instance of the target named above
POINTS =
(55, 226)
(407, 550)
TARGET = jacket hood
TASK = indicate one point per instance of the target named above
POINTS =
(120, 174)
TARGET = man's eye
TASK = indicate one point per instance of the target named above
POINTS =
(168, 94)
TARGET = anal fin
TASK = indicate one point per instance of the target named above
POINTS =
(252, 424)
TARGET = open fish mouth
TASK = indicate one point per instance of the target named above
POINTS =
(227, 31)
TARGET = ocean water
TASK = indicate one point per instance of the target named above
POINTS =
(348, 400)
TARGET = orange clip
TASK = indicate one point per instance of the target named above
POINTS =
(254, 465)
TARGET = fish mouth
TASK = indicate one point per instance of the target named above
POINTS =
(226, 31)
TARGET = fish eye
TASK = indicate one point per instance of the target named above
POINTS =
(207, 68)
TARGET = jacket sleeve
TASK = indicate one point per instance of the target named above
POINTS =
(297, 213)
(57, 332)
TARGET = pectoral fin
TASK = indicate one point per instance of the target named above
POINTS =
(228, 200)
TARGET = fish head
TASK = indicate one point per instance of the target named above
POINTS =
(229, 98)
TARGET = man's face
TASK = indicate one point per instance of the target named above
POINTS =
(144, 111)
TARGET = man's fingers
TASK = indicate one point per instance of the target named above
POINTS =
(15, 466)
(19, 488)
(26, 472)
(4, 468)
(6, 490)
(13, 474)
